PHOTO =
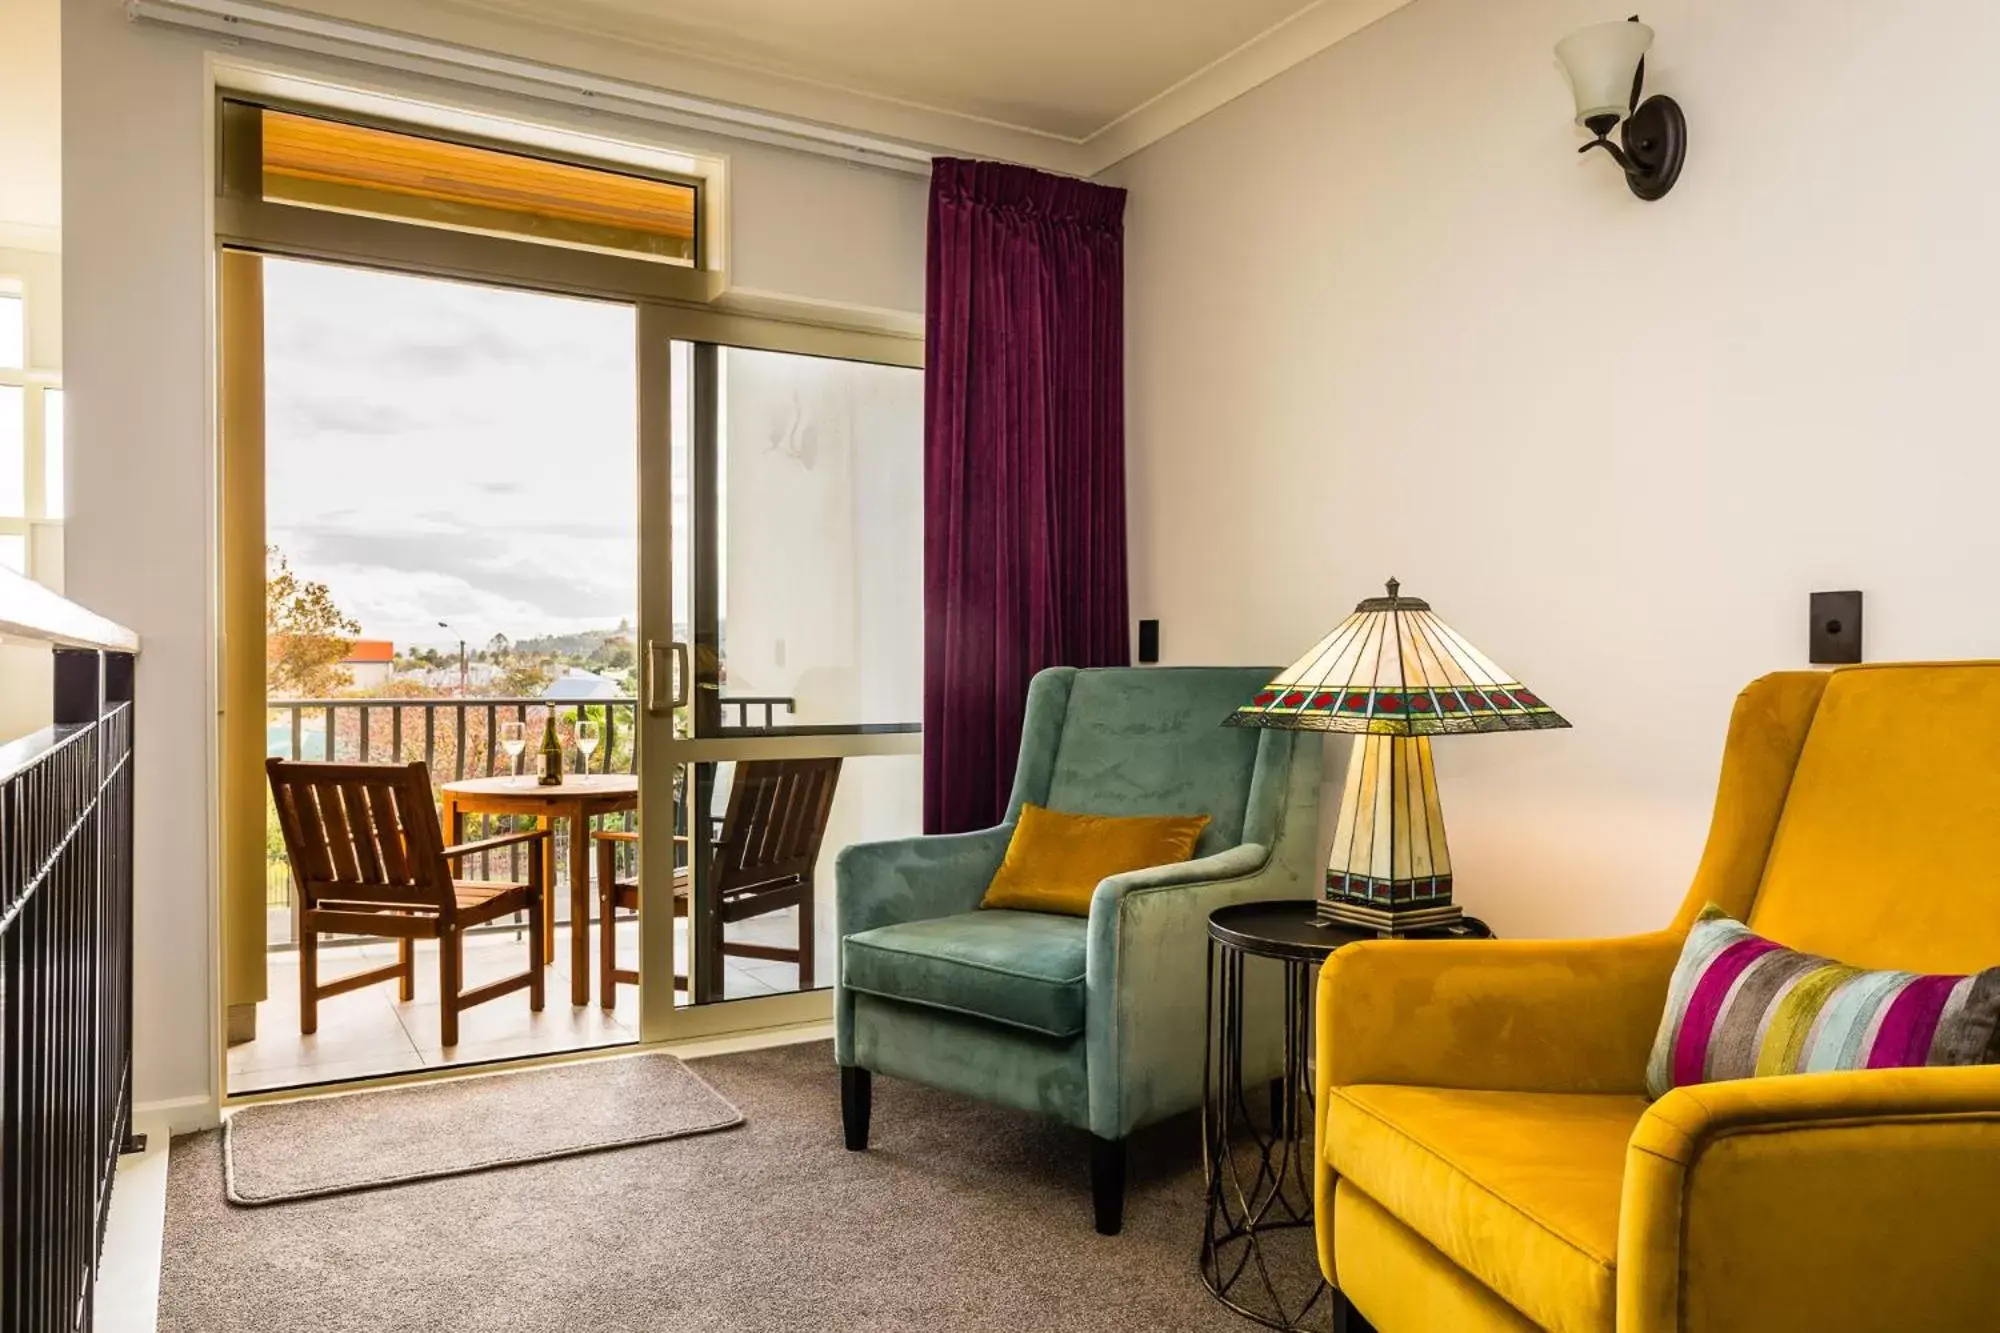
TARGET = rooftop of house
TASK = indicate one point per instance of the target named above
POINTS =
(577, 683)
(370, 650)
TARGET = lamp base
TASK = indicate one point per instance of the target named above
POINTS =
(1388, 923)
(1391, 869)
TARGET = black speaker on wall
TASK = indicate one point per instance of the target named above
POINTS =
(1149, 641)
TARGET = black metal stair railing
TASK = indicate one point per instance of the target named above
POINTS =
(65, 991)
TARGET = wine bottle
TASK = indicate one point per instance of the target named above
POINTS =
(551, 760)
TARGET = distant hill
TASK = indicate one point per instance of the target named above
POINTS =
(583, 643)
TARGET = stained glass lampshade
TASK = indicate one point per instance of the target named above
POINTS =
(1396, 675)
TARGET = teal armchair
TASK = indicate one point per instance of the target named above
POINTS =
(1098, 1022)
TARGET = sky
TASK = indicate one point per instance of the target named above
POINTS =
(444, 451)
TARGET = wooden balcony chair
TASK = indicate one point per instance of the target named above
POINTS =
(763, 863)
(369, 858)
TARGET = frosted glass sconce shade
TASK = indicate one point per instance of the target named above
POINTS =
(1602, 62)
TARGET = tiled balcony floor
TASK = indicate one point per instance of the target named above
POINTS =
(369, 1032)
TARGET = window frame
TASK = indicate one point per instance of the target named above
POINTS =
(239, 132)
(35, 384)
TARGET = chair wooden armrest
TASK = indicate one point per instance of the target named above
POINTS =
(465, 849)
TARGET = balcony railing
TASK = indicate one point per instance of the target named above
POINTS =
(66, 797)
(456, 737)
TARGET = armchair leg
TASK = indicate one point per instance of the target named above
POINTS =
(1107, 1184)
(1347, 1319)
(857, 1096)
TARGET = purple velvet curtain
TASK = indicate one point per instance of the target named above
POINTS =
(1024, 463)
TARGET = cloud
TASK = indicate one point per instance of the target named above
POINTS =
(456, 351)
(311, 415)
(594, 579)
(439, 450)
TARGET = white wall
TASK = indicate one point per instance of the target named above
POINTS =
(138, 287)
(1382, 320)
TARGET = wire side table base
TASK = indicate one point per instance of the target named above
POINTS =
(1260, 1182)
(1260, 1173)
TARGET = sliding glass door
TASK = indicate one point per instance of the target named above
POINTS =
(516, 473)
(787, 656)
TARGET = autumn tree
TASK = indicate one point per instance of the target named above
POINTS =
(523, 678)
(306, 636)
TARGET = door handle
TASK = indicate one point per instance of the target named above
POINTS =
(683, 675)
(671, 661)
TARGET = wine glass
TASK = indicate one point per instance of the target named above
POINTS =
(587, 736)
(513, 739)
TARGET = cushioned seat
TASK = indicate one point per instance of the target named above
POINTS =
(1024, 969)
(1519, 1189)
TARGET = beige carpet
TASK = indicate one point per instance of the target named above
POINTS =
(963, 1217)
(285, 1151)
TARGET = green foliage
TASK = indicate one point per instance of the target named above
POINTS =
(613, 656)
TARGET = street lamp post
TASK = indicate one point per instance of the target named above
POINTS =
(461, 658)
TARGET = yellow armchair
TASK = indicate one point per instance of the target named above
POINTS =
(1489, 1158)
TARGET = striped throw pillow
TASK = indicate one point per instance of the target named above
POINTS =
(1743, 1007)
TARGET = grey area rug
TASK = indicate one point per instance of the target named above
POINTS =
(961, 1217)
(286, 1151)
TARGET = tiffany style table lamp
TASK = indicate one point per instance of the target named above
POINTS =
(1395, 675)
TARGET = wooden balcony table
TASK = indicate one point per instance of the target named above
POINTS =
(581, 798)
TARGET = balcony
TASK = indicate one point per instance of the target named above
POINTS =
(370, 1032)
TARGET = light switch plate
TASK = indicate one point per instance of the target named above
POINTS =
(1835, 634)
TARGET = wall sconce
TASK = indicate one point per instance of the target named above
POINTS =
(1603, 61)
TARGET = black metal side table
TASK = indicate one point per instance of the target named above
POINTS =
(1265, 1184)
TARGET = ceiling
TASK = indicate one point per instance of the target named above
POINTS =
(1070, 84)
(1065, 68)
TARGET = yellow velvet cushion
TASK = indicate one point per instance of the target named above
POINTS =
(1054, 861)
(1519, 1189)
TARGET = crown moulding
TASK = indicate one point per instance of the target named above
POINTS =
(594, 39)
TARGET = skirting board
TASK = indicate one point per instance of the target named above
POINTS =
(177, 1115)
(128, 1271)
